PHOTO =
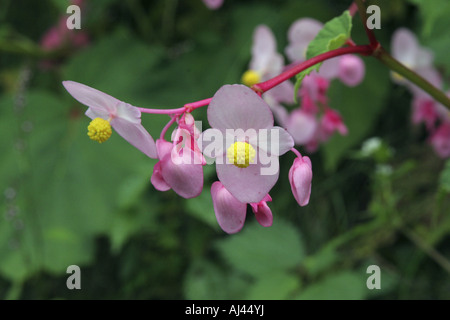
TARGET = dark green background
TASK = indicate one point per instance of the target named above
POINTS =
(66, 200)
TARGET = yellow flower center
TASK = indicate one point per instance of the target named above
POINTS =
(241, 154)
(99, 130)
(250, 77)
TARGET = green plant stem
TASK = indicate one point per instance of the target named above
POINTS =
(412, 76)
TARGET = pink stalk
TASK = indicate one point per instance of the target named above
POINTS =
(269, 84)
(296, 152)
(166, 127)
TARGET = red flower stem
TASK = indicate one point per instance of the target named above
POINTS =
(269, 84)
(363, 14)
(194, 105)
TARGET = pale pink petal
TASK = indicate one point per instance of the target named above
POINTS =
(404, 46)
(128, 112)
(184, 176)
(284, 92)
(263, 48)
(275, 141)
(136, 135)
(93, 98)
(230, 212)
(157, 179)
(301, 126)
(238, 107)
(249, 184)
(300, 35)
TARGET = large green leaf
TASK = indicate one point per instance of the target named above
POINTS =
(66, 185)
(344, 285)
(259, 251)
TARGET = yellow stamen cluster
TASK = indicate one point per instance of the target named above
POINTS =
(99, 130)
(250, 77)
(241, 154)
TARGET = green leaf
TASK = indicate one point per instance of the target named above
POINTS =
(66, 186)
(205, 280)
(275, 286)
(332, 36)
(259, 251)
(345, 285)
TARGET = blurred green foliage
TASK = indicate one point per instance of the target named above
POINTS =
(66, 200)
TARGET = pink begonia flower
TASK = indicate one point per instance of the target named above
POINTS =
(424, 110)
(231, 213)
(122, 116)
(265, 61)
(351, 70)
(213, 4)
(331, 122)
(246, 160)
(300, 177)
(59, 36)
(406, 49)
(183, 175)
(440, 140)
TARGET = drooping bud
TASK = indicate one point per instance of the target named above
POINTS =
(300, 177)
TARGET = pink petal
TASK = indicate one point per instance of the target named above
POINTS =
(262, 212)
(249, 184)
(275, 141)
(136, 135)
(230, 212)
(301, 126)
(404, 46)
(300, 35)
(93, 98)
(157, 179)
(263, 48)
(185, 177)
(238, 107)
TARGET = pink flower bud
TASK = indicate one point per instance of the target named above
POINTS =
(351, 70)
(300, 177)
